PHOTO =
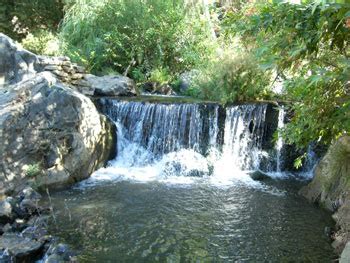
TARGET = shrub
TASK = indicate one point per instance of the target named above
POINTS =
(42, 42)
(308, 45)
(231, 78)
(145, 35)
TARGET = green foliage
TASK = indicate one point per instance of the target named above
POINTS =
(160, 75)
(307, 45)
(42, 42)
(143, 35)
(232, 77)
(20, 17)
(33, 170)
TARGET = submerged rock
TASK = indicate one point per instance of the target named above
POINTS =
(60, 253)
(20, 248)
(259, 176)
(330, 188)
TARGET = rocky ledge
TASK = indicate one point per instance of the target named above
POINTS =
(51, 134)
(23, 231)
(330, 189)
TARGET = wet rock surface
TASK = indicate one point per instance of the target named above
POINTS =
(20, 248)
(330, 188)
(26, 238)
(59, 252)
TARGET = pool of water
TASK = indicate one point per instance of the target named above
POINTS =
(129, 221)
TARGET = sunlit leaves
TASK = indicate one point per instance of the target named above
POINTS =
(308, 44)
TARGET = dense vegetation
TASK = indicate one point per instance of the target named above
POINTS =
(238, 51)
(308, 47)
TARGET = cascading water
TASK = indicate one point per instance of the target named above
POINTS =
(162, 141)
(244, 132)
(164, 128)
(279, 143)
(182, 191)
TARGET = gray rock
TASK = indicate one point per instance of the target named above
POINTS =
(330, 188)
(186, 79)
(7, 228)
(16, 64)
(157, 88)
(5, 212)
(30, 194)
(345, 255)
(60, 253)
(5, 257)
(258, 176)
(111, 85)
(30, 206)
(20, 248)
(40, 118)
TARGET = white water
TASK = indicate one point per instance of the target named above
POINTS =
(279, 143)
(178, 144)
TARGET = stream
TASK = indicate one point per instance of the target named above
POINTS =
(180, 190)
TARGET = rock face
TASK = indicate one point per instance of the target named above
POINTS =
(345, 256)
(50, 134)
(330, 188)
(109, 85)
(16, 64)
(25, 238)
(156, 88)
(20, 248)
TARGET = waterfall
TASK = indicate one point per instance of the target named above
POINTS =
(162, 141)
(279, 143)
(165, 128)
(244, 131)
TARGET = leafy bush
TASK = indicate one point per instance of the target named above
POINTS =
(232, 77)
(144, 35)
(42, 42)
(160, 75)
(21, 17)
(308, 45)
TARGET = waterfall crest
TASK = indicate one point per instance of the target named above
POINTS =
(169, 141)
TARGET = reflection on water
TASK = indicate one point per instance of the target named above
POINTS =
(158, 222)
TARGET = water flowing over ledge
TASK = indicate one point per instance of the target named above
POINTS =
(186, 142)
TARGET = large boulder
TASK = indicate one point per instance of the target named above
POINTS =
(108, 85)
(330, 188)
(16, 64)
(50, 134)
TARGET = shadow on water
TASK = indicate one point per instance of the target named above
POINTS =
(148, 222)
